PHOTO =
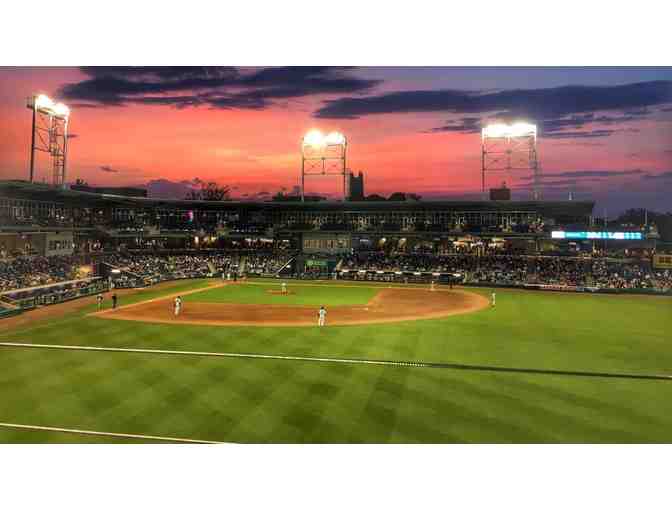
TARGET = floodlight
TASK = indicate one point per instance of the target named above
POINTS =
(61, 110)
(43, 102)
(323, 155)
(510, 147)
(49, 134)
(510, 130)
(314, 138)
(335, 138)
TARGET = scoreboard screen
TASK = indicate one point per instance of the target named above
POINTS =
(617, 236)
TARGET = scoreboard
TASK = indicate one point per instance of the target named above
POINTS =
(617, 236)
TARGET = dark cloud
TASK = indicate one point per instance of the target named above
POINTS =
(109, 169)
(597, 133)
(661, 176)
(562, 183)
(217, 87)
(464, 125)
(561, 127)
(590, 174)
(530, 103)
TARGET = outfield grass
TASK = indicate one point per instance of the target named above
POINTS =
(251, 400)
(298, 294)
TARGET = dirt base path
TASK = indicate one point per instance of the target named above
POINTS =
(31, 317)
(389, 305)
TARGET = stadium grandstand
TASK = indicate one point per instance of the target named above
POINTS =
(62, 243)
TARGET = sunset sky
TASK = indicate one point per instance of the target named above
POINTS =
(605, 133)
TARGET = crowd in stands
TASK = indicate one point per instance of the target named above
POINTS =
(267, 263)
(140, 269)
(491, 268)
(29, 298)
(33, 271)
(519, 269)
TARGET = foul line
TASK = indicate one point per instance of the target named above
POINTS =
(419, 364)
(106, 434)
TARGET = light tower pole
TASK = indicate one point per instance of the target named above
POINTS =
(50, 135)
(323, 156)
(507, 147)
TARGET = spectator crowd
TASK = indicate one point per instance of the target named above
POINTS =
(491, 268)
(517, 270)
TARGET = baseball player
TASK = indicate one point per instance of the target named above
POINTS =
(492, 299)
(284, 288)
(114, 300)
(321, 316)
(178, 305)
(99, 299)
(431, 287)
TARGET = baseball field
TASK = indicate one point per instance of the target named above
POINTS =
(401, 364)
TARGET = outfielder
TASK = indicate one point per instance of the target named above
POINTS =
(284, 288)
(321, 316)
(492, 299)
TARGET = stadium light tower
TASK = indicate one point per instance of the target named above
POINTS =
(49, 134)
(323, 155)
(506, 147)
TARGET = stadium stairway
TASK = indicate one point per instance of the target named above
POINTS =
(287, 264)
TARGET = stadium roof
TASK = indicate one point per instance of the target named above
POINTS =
(43, 192)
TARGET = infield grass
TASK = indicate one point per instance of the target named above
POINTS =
(299, 294)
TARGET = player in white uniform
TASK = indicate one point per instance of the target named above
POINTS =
(321, 316)
(431, 287)
(178, 305)
(492, 299)
(284, 288)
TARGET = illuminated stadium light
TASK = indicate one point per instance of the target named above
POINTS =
(323, 155)
(49, 134)
(61, 110)
(334, 138)
(313, 138)
(509, 130)
(508, 147)
(44, 104)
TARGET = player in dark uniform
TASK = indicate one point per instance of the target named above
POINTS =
(114, 300)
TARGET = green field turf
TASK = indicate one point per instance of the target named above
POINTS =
(298, 294)
(254, 400)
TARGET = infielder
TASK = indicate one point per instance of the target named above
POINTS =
(321, 316)
(99, 299)
(178, 305)
(431, 287)
(284, 288)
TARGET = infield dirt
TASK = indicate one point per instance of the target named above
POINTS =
(389, 305)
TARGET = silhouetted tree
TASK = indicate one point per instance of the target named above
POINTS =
(211, 192)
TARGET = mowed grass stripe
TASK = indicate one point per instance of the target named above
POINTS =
(233, 400)
(400, 363)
